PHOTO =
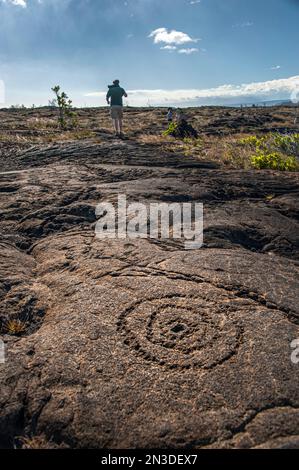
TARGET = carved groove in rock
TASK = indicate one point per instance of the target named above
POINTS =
(179, 331)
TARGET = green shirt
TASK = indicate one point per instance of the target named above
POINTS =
(116, 94)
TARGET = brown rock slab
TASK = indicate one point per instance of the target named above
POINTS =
(140, 343)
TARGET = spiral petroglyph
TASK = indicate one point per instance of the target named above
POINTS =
(179, 331)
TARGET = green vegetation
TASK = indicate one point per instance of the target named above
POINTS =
(274, 151)
(192, 146)
(287, 143)
(253, 141)
(273, 142)
(171, 129)
(67, 117)
(274, 161)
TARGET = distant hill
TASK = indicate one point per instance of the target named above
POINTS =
(266, 103)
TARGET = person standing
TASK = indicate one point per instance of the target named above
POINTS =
(170, 115)
(114, 98)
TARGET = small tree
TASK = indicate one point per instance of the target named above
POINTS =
(66, 115)
(52, 103)
(18, 106)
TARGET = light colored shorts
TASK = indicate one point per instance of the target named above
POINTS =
(116, 112)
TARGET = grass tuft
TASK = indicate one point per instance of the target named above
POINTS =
(35, 442)
(15, 327)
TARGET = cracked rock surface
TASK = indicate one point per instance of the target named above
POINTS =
(140, 343)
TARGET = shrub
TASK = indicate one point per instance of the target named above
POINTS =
(287, 143)
(181, 130)
(66, 115)
(171, 129)
(17, 106)
(192, 146)
(274, 161)
(253, 141)
(274, 151)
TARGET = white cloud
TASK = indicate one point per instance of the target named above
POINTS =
(195, 2)
(19, 3)
(282, 88)
(168, 48)
(188, 51)
(163, 35)
(276, 67)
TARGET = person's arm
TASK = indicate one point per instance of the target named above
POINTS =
(125, 94)
(108, 97)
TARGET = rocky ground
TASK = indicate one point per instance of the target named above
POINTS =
(140, 343)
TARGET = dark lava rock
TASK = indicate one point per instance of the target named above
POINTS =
(139, 343)
(183, 130)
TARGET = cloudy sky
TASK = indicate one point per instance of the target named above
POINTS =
(184, 52)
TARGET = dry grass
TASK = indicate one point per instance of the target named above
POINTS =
(224, 150)
(13, 138)
(35, 442)
(158, 140)
(152, 139)
(15, 327)
(145, 126)
(71, 135)
(227, 151)
(48, 137)
(41, 123)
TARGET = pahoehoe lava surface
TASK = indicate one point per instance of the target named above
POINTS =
(140, 343)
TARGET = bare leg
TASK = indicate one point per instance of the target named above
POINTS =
(116, 126)
(120, 125)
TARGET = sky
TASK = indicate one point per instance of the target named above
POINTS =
(164, 52)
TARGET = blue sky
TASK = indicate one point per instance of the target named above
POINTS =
(163, 51)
